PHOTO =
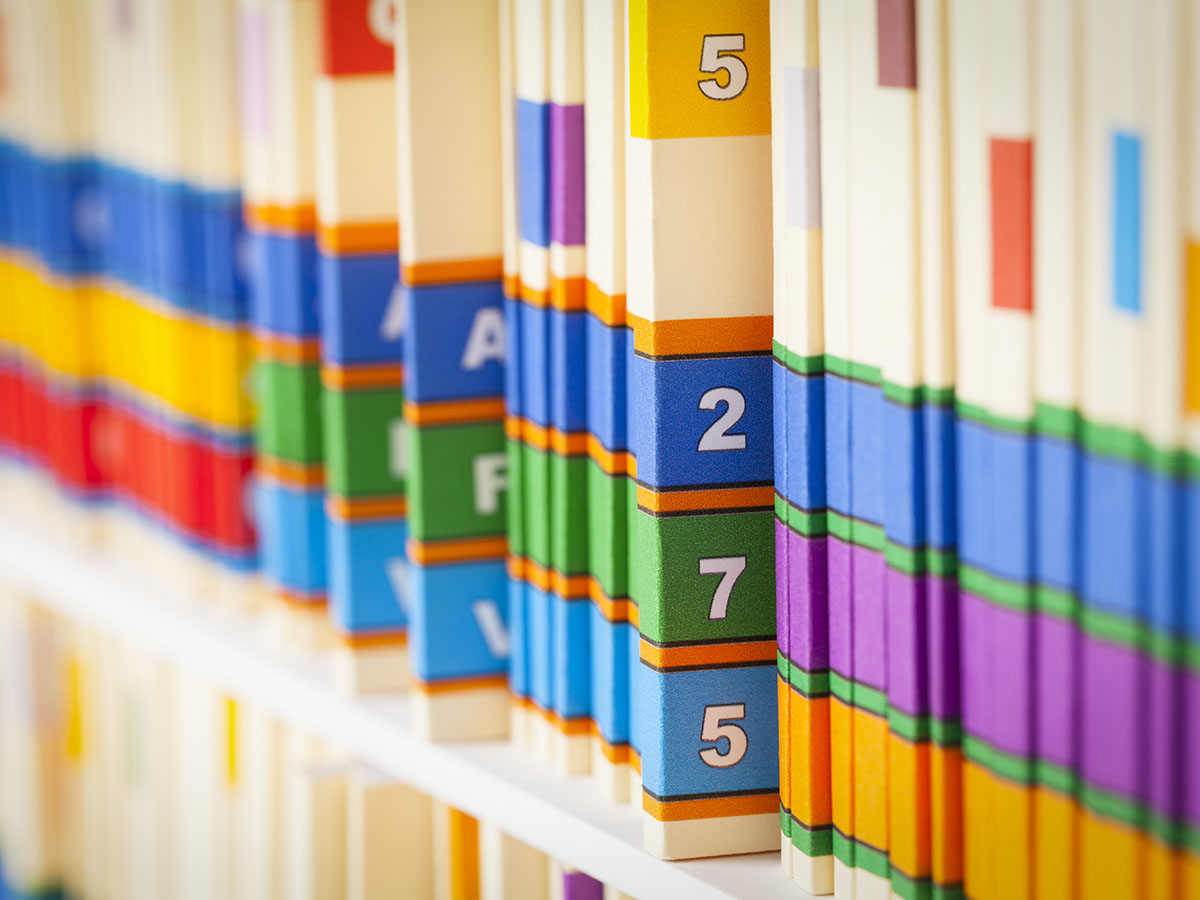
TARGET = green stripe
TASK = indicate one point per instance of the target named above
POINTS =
(914, 729)
(1055, 602)
(1048, 419)
(810, 842)
(1055, 777)
(923, 560)
(855, 531)
(1056, 421)
(807, 523)
(860, 696)
(871, 860)
(809, 684)
(983, 416)
(945, 732)
(1112, 806)
(1012, 594)
(847, 368)
(923, 888)
(1006, 765)
(918, 395)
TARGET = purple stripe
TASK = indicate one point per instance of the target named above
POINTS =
(997, 676)
(1013, 658)
(977, 686)
(841, 619)
(858, 647)
(1057, 693)
(1165, 738)
(577, 886)
(1190, 746)
(566, 174)
(907, 673)
(944, 668)
(782, 604)
(1115, 717)
(870, 618)
(808, 601)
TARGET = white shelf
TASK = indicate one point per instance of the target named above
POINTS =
(563, 817)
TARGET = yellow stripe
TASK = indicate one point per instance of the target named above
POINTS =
(74, 729)
(231, 742)
(1191, 340)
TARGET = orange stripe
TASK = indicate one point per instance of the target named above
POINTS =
(710, 807)
(452, 411)
(486, 269)
(707, 654)
(568, 586)
(340, 378)
(575, 443)
(512, 286)
(582, 725)
(609, 309)
(461, 684)
(366, 639)
(286, 348)
(532, 296)
(1191, 331)
(534, 435)
(302, 217)
(568, 444)
(568, 294)
(714, 498)
(431, 553)
(676, 337)
(616, 754)
(619, 463)
(358, 508)
(613, 610)
(294, 597)
(546, 579)
(288, 472)
(360, 237)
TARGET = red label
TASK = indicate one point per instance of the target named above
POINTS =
(357, 36)
(1012, 224)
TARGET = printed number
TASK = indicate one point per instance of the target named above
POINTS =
(396, 570)
(730, 569)
(491, 625)
(716, 54)
(395, 316)
(381, 19)
(715, 727)
(397, 432)
(717, 436)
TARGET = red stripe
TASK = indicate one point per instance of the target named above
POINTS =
(1012, 224)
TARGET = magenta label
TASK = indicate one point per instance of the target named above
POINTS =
(566, 175)
(255, 72)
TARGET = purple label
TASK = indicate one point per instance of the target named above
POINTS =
(255, 73)
(566, 175)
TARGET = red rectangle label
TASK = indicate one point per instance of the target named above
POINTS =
(357, 37)
(1011, 166)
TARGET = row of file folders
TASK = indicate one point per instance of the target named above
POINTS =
(788, 413)
(128, 775)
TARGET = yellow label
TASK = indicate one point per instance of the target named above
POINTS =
(74, 730)
(699, 68)
(1191, 341)
(231, 742)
